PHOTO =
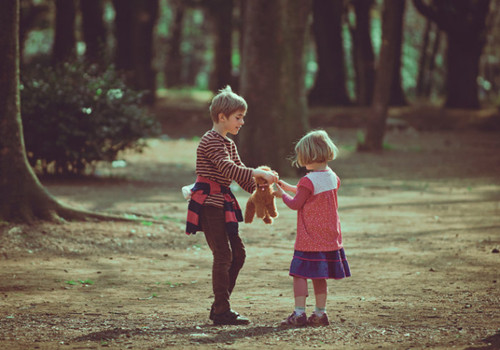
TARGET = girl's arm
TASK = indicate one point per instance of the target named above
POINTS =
(294, 203)
(287, 187)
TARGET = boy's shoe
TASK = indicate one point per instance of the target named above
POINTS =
(315, 320)
(212, 313)
(230, 317)
(295, 320)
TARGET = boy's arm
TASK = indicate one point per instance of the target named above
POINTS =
(228, 168)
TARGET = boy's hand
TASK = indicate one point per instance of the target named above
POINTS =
(269, 176)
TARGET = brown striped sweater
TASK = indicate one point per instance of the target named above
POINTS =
(217, 159)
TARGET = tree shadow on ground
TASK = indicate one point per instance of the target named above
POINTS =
(197, 332)
(493, 342)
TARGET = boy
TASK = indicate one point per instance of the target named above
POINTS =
(213, 208)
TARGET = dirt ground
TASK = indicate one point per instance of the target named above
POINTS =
(421, 227)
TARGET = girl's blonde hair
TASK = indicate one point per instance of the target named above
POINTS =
(315, 147)
(226, 102)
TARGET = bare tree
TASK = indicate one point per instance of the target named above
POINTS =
(384, 77)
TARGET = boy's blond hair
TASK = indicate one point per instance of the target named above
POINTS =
(226, 102)
(315, 147)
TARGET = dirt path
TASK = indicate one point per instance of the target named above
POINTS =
(421, 225)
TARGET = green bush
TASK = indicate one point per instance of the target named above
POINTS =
(75, 115)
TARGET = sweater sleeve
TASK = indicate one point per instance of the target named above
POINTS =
(226, 161)
(248, 184)
(295, 203)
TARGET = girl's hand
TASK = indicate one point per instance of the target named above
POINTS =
(287, 187)
(279, 191)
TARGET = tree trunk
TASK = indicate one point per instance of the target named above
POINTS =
(364, 58)
(465, 25)
(330, 85)
(134, 22)
(384, 77)
(65, 39)
(272, 81)
(94, 30)
(23, 198)
(428, 84)
(462, 73)
(398, 97)
(124, 29)
(422, 62)
(221, 12)
(145, 19)
(173, 66)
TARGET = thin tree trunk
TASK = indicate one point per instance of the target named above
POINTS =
(124, 58)
(461, 78)
(363, 56)
(145, 19)
(221, 12)
(94, 30)
(272, 81)
(432, 63)
(65, 37)
(384, 77)
(398, 97)
(330, 85)
(173, 65)
(135, 21)
(422, 62)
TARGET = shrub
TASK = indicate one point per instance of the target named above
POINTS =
(75, 115)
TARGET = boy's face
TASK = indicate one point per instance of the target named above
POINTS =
(233, 123)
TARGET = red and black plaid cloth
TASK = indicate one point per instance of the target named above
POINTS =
(202, 188)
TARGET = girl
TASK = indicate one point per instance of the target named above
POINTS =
(318, 245)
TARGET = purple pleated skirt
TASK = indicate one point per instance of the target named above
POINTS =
(318, 265)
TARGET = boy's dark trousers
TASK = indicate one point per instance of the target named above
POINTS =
(228, 252)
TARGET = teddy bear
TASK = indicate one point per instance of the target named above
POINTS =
(262, 202)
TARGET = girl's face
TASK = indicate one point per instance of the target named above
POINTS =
(233, 123)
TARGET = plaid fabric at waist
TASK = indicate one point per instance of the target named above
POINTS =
(201, 190)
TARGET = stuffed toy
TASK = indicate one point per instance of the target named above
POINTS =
(262, 202)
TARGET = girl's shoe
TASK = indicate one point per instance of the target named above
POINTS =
(295, 320)
(315, 320)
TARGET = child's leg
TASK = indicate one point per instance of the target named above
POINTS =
(239, 255)
(213, 223)
(320, 293)
(298, 317)
(300, 293)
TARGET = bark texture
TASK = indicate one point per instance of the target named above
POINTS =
(384, 77)
(272, 81)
